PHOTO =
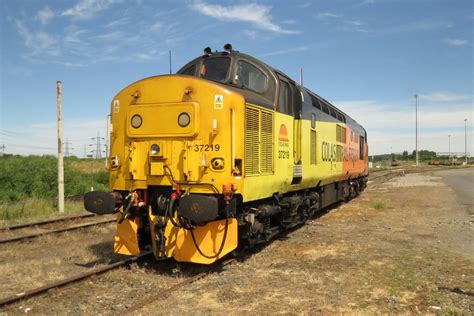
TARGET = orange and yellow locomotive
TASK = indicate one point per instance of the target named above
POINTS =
(227, 152)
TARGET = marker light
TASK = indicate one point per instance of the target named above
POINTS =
(136, 121)
(184, 119)
(155, 149)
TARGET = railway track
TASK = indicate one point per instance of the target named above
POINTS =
(60, 220)
(46, 222)
(70, 280)
(163, 295)
(387, 175)
(6, 301)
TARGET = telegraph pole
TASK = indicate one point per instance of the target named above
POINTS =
(2, 148)
(59, 102)
(416, 128)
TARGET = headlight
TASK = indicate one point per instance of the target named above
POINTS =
(184, 119)
(155, 149)
(136, 121)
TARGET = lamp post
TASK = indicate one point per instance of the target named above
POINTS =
(465, 140)
(416, 128)
(449, 148)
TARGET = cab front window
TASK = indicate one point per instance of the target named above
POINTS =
(215, 69)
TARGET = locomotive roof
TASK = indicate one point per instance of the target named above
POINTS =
(274, 71)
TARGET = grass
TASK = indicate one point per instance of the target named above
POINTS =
(34, 209)
(379, 205)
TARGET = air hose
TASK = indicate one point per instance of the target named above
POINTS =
(224, 238)
(127, 209)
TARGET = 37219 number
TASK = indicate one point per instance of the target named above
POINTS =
(207, 147)
(283, 154)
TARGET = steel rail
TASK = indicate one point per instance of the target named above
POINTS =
(55, 231)
(78, 277)
(45, 222)
(177, 286)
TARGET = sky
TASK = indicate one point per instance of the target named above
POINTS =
(368, 57)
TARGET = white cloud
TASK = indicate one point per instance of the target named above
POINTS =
(455, 41)
(40, 43)
(305, 5)
(445, 97)
(119, 22)
(151, 55)
(254, 13)
(250, 33)
(417, 26)
(342, 24)
(111, 36)
(41, 138)
(286, 51)
(391, 127)
(72, 36)
(44, 15)
(324, 15)
(355, 23)
(87, 9)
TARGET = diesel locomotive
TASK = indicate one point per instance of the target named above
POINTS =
(227, 152)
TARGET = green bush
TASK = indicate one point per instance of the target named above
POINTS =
(36, 177)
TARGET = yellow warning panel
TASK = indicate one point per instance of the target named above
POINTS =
(209, 239)
(126, 240)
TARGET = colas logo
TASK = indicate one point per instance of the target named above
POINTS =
(283, 136)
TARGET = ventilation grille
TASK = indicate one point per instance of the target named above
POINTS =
(313, 148)
(252, 142)
(340, 134)
(258, 142)
(266, 163)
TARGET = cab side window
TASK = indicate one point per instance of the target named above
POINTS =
(285, 99)
(250, 77)
(189, 71)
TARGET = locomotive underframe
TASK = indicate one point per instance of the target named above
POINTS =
(258, 221)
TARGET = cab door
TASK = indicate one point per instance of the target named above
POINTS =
(289, 102)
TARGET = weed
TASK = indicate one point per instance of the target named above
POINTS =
(394, 293)
(436, 297)
(451, 310)
(378, 205)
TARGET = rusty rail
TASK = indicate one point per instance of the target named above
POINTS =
(78, 277)
(55, 231)
(46, 222)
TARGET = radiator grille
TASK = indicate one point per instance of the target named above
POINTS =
(252, 141)
(258, 142)
(266, 162)
(313, 147)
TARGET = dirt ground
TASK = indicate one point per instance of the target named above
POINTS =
(398, 248)
(401, 247)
